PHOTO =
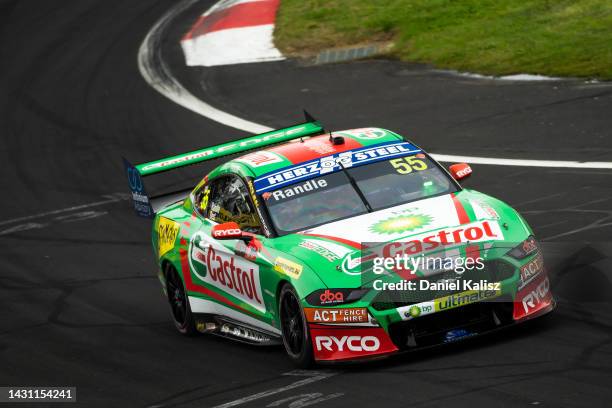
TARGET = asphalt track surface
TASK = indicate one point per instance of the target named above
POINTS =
(79, 303)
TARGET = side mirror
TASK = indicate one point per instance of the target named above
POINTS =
(227, 230)
(460, 171)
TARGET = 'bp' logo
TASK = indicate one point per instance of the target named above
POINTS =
(414, 311)
(401, 223)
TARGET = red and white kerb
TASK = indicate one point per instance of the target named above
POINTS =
(233, 32)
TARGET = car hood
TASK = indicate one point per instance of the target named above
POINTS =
(333, 250)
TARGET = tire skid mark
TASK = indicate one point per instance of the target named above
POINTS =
(294, 401)
(64, 215)
(312, 377)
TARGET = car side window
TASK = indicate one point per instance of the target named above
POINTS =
(229, 200)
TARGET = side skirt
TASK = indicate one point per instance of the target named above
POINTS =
(214, 318)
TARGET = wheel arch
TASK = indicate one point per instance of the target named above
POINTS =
(163, 264)
(279, 287)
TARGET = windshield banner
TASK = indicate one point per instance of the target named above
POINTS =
(333, 163)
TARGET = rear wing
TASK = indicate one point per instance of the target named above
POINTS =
(146, 206)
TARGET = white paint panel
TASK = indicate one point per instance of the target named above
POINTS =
(440, 209)
(522, 162)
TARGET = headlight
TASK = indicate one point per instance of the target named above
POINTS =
(525, 248)
(330, 297)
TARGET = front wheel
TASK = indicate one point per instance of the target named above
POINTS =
(294, 328)
(179, 303)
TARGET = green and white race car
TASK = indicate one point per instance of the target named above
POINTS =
(346, 245)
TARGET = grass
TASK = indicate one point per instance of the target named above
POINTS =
(495, 37)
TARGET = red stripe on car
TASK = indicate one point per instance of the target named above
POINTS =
(461, 213)
(471, 251)
(313, 148)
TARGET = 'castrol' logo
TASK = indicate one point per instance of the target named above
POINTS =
(351, 343)
(234, 275)
(473, 232)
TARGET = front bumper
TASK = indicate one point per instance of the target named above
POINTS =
(394, 331)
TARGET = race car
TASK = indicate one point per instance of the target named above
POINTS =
(342, 245)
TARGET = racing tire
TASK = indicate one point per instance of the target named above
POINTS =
(179, 303)
(294, 329)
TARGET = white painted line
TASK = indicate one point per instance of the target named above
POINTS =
(116, 197)
(314, 377)
(68, 218)
(515, 77)
(522, 162)
(158, 75)
(304, 400)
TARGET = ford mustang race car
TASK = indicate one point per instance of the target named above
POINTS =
(340, 245)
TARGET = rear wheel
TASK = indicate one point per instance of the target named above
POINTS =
(179, 303)
(294, 329)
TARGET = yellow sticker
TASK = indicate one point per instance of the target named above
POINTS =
(287, 267)
(167, 230)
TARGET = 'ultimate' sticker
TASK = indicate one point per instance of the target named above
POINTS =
(447, 302)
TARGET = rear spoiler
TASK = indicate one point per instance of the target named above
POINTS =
(146, 206)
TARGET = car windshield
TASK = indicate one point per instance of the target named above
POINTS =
(355, 191)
